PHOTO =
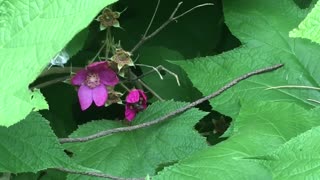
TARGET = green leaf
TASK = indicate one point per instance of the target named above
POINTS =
(31, 33)
(309, 28)
(262, 26)
(168, 88)
(39, 101)
(298, 158)
(30, 146)
(259, 129)
(138, 153)
(77, 42)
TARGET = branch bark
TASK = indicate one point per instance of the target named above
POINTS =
(173, 113)
(173, 17)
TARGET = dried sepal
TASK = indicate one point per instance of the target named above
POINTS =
(109, 18)
(122, 58)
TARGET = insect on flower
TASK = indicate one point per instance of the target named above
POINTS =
(136, 101)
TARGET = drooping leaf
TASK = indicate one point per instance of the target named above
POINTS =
(138, 153)
(31, 146)
(259, 129)
(262, 27)
(298, 158)
(31, 33)
(309, 28)
(77, 42)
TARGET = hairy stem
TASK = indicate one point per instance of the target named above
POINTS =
(173, 113)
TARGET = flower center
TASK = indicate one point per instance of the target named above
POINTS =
(92, 80)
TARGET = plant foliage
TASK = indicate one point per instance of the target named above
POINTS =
(270, 125)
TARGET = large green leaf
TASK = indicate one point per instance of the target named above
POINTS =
(310, 27)
(140, 152)
(298, 158)
(259, 129)
(30, 146)
(31, 33)
(262, 27)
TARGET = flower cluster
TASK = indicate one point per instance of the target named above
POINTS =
(136, 101)
(93, 81)
(96, 80)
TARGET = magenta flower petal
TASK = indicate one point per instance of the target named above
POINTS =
(100, 95)
(85, 97)
(129, 113)
(108, 77)
(79, 78)
(144, 97)
(133, 96)
(98, 66)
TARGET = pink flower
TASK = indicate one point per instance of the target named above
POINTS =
(135, 101)
(93, 81)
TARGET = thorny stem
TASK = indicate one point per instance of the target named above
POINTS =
(173, 113)
(172, 17)
(94, 174)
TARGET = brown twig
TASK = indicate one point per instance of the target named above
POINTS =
(173, 113)
(50, 82)
(94, 174)
(172, 17)
(59, 70)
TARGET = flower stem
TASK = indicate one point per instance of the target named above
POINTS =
(173, 113)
